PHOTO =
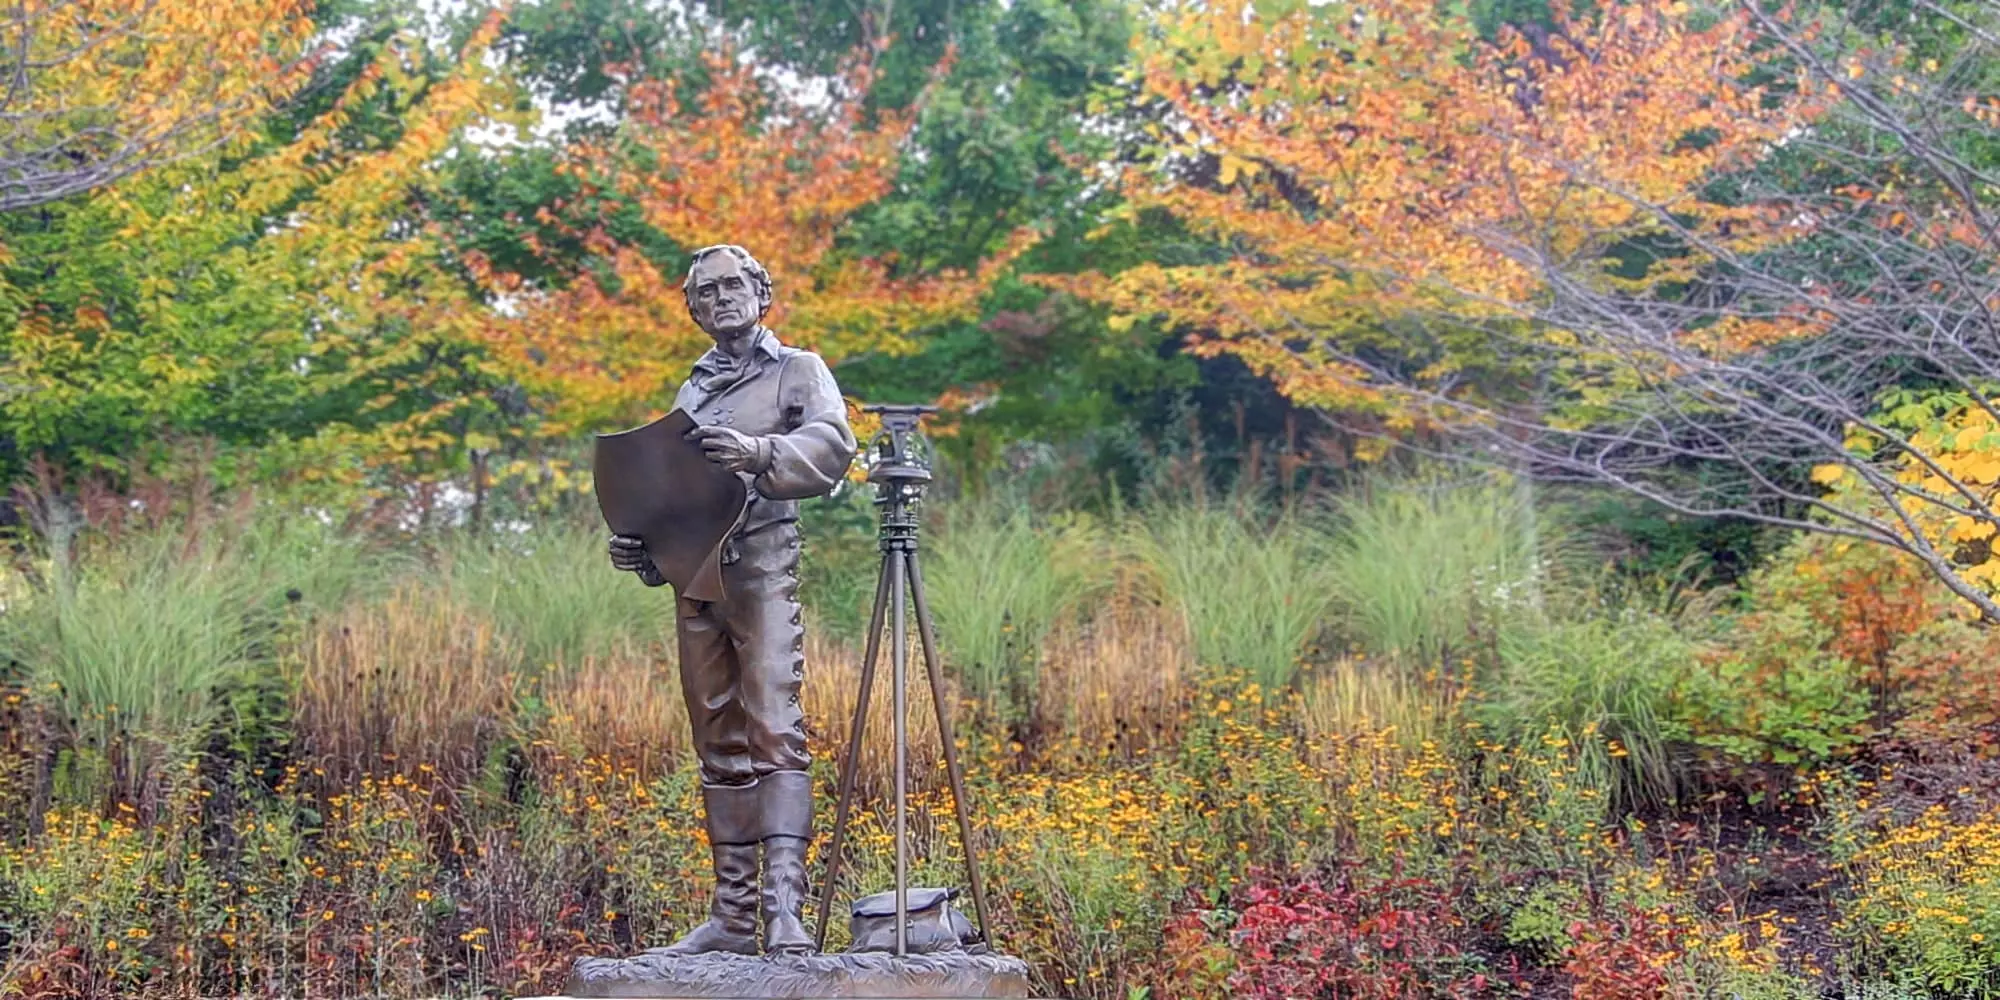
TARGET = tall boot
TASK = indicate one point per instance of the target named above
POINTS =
(732, 834)
(787, 806)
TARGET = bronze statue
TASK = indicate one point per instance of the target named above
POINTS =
(772, 416)
(713, 486)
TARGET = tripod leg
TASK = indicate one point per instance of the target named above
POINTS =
(899, 660)
(951, 767)
(854, 733)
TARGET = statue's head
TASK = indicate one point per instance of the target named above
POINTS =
(727, 291)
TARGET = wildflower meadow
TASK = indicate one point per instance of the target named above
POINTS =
(448, 765)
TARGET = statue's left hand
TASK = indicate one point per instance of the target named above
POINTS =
(733, 450)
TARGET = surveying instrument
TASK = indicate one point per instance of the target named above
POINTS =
(899, 466)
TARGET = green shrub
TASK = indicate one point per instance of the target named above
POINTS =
(1609, 677)
(1539, 921)
(1774, 695)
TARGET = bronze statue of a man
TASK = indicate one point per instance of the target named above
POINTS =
(772, 415)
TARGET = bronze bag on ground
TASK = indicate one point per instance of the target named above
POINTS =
(934, 924)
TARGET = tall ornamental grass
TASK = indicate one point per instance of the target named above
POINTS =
(840, 559)
(1252, 593)
(1420, 562)
(143, 639)
(1605, 683)
(136, 644)
(1351, 696)
(409, 680)
(551, 592)
(997, 582)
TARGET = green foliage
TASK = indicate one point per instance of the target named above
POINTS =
(1421, 564)
(571, 51)
(997, 581)
(1608, 678)
(1006, 138)
(552, 590)
(995, 134)
(1650, 542)
(1775, 696)
(1253, 592)
(840, 561)
(297, 315)
(1540, 920)
(1773, 984)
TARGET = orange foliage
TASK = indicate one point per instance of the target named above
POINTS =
(1870, 597)
(1626, 956)
(1384, 163)
(1932, 665)
(739, 166)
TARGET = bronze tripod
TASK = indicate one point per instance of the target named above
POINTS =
(899, 475)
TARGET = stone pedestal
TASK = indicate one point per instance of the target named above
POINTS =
(658, 976)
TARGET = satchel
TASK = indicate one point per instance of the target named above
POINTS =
(934, 924)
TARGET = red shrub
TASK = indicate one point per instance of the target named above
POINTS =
(1351, 937)
(1195, 958)
(1621, 958)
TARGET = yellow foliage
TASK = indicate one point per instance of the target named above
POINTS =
(1380, 167)
(107, 87)
(1948, 472)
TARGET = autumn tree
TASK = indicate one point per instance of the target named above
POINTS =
(1707, 256)
(1000, 138)
(292, 301)
(736, 163)
(1363, 170)
(99, 90)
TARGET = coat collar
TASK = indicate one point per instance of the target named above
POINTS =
(765, 344)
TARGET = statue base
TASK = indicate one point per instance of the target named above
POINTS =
(654, 975)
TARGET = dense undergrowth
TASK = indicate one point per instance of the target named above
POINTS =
(1416, 744)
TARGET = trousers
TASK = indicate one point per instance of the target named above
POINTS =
(743, 662)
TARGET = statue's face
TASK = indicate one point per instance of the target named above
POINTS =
(724, 299)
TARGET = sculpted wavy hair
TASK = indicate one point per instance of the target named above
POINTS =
(750, 264)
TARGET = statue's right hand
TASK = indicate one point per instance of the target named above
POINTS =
(629, 554)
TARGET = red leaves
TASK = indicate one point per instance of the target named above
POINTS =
(1622, 958)
(1354, 936)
